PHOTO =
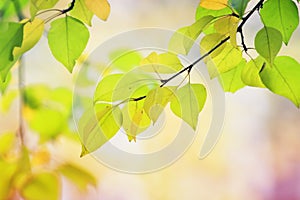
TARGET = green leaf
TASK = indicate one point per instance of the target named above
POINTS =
(100, 8)
(268, 42)
(281, 15)
(183, 39)
(125, 60)
(164, 63)
(156, 100)
(81, 12)
(67, 39)
(7, 100)
(239, 6)
(250, 73)
(231, 80)
(31, 35)
(78, 176)
(135, 119)
(35, 95)
(4, 83)
(283, 78)
(98, 125)
(189, 102)
(9, 39)
(7, 141)
(41, 186)
(7, 8)
(210, 41)
(37, 5)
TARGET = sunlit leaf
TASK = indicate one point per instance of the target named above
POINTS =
(37, 5)
(31, 35)
(213, 4)
(7, 141)
(81, 178)
(268, 42)
(161, 63)
(4, 83)
(7, 100)
(7, 8)
(283, 78)
(10, 39)
(281, 15)
(98, 125)
(81, 12)
(65, 45)
(228, 26)
(231, 80)
(250, 73)
(239, 6)
(183, 39)
(42, 186)
(100, 8)
(125, 60)
(189, 102)
(7, 171)
(201, 12)
(35, 95)
(208, 42)
(135, 119)
(156, 101)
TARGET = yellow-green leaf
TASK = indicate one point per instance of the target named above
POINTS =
(125, 60)
(100, 8)
(44, 186)
(189, 101)
(67, 38)
(80, 177)
(250, 73)
(31, 35)
(213, 4)
(98, 125)
(156, 101)
(7, 141)
(210, 41)
(81, 12)
(37, 5)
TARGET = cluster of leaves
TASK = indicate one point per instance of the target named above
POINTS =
(67, 37)
(133, 95)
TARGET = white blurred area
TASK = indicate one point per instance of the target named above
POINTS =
(257, 157)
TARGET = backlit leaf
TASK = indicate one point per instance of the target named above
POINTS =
(228, 26)
(31, 35)
(268, 42)
(100, 8)
(99, 124)
(283, 78)
(201, 12)
(125, 60)
(161, 63)
(281, 15)
(250, 73)
(42, 186)
(156, 101)
(4, 83)
(9, 39)
(183, 39)
(213, 4)
(231, 80)
(239, 6)
(81, 178)
(188, 103)
(67, 39)
(37, 5)
(210, 41)
(81, 12)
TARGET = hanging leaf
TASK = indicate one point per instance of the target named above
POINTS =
(213, 4)
(208, 42)
(81, 178)
(201, 12)
(268, 43)
(41, 186)
(164, 63)
(188, 103)
(250, 73)
(9, 39)
(183, 39)
(37, 5)
(67, 39)
(98, 125)
(100, 8)
(283, 78)
(82, 13)
(156, 100)
(135, 119)
(281, 15)
(231, 80)
(239, 6)
(228, 26)
(31, 35)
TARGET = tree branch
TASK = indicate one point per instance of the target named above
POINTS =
(70, 7)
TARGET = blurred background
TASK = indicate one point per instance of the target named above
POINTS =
(257, 156)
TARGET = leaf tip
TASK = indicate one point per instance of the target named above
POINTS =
(84, 151)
